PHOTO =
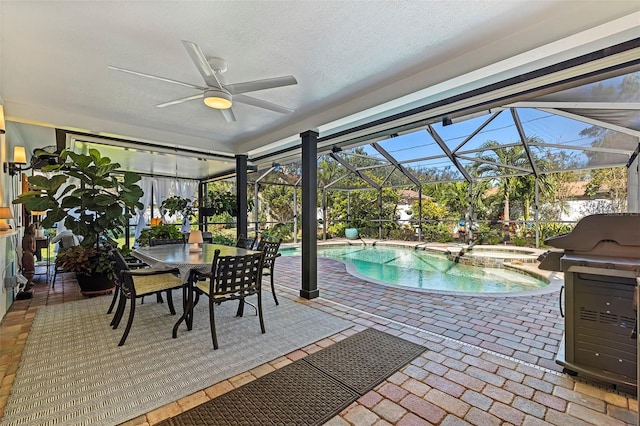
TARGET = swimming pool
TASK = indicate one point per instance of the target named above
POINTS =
(425, 270)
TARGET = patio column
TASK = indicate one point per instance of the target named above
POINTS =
(309, 288)
(241, 192)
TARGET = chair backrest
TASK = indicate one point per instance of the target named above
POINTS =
(120, 265)
(270, 250)
(245, 242)
(159, 242)
(236, 274)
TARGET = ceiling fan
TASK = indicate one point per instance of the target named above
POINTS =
(217, 93)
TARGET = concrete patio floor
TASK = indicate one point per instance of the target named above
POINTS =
(489, 360)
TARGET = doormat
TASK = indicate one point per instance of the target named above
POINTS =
(311, 390)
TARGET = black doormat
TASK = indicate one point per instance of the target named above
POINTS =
(311, 390)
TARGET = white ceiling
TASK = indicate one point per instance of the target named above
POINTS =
(353, 59)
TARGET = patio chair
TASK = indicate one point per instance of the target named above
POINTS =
(230, 278)
(270, 250)
(246, 242)
(135, 283)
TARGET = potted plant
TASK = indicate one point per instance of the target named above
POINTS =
(220, 202)
(176, 204)
(94, 202)
(163, 231)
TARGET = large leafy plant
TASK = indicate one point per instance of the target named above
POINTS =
(87, 194)
(176, 204)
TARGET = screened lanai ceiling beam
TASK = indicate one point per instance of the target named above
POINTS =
(582, 148)
(354, 170)
(443, 146)
(330, 184)
(475, 132)
(506, 166)
(483, 149)
(390, 158)
(592, 121)
(577, 105)
(523, 139)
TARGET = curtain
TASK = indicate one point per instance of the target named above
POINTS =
(146, 183)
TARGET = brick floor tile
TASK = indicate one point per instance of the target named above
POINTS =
(592, 416)
(534, 421)
(435, 368)
(477, 400)
(397, 378)
(507, 413)
(485, 376)
(415, 372)
(337, 421)
(452, 420)
(510, 374)
(423, 408)
(479, 417)
(455, 364)
(193, 400)
(412, 420)
(389, 410)
(538, 384)
(559, 380)
(465, 379)
(164, 412)
(416, 387)
(360, 415)
(622, 414)
(518, 389)
(498, 394)
(529, 407)
(550, 401)
(447, 402)
(445, 385)
(392, 392)
(481, 363)
(585, 400)
(370, 399)
(616, 400)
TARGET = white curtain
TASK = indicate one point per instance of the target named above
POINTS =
(146, 183)
(163, 190)
(185, 188)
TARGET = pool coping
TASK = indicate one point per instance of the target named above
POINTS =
(554, 280)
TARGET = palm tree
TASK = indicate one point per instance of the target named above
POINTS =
(491, 164)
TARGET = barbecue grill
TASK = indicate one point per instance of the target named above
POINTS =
(600, 259)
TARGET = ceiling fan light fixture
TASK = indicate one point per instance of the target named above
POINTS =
(217, 99)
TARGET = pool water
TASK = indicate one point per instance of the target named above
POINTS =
(420, 269)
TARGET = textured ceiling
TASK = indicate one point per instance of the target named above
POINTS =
(349, 57)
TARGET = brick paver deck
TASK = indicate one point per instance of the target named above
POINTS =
(489, 360)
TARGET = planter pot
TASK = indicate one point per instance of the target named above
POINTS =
(94, 284)
(207, 211)
(351, 233)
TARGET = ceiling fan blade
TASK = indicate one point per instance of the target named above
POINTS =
(228, 115)
(181, 100)
(155, 77)
(262, 104)
(200, 60)
(268, 83)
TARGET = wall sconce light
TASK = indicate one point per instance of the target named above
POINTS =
(19, 158)
(195, 238)
(5, 213)
(3, 128)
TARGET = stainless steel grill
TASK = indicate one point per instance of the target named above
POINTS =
(600, 259)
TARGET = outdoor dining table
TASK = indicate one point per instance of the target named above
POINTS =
(180, 256)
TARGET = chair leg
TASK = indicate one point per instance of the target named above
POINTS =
(260, 312)
(212, 324)
(240, 311)
(132, 311)
(159, 298)
(122, 303)
(170, 302)
(116, 291)
(273, 289)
